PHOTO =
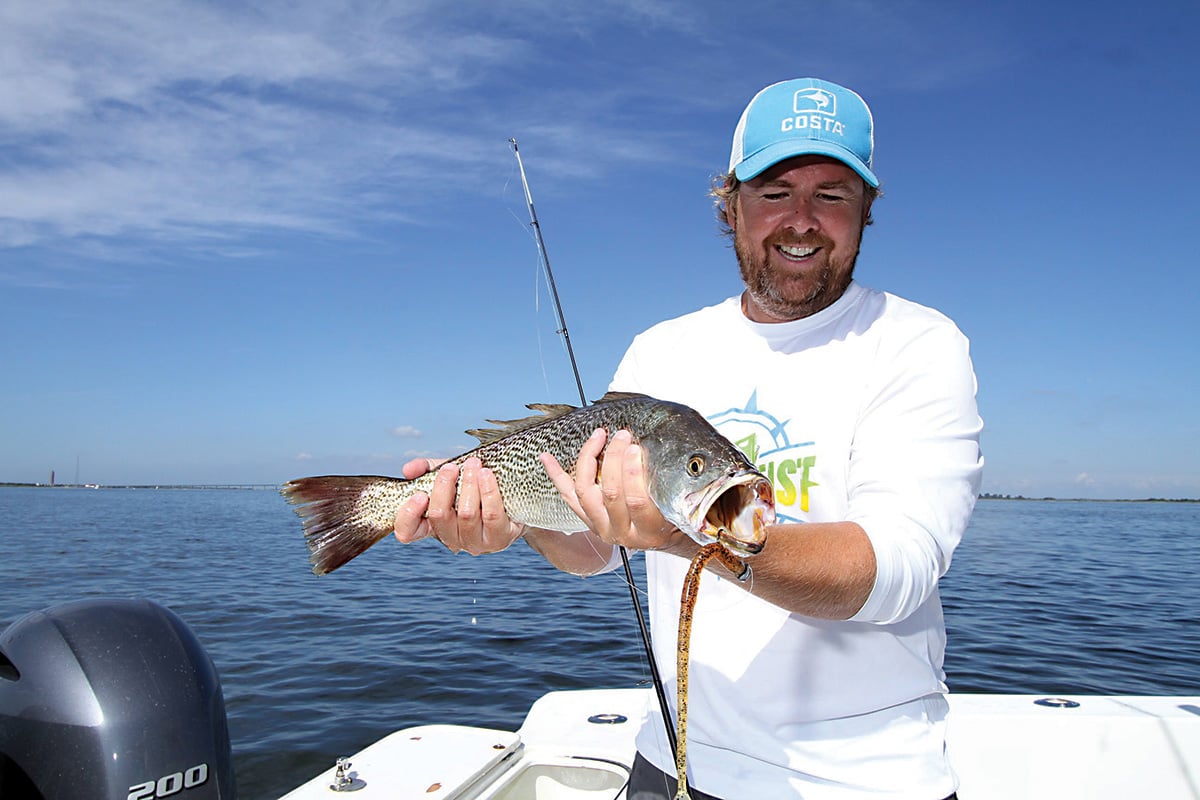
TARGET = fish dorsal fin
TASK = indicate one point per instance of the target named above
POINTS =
(507, 427)
(610, 397)
(550, 409)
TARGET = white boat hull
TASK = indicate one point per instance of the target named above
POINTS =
(578, 745)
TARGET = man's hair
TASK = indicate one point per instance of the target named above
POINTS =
(725, 189)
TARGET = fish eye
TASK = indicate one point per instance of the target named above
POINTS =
(695, 465)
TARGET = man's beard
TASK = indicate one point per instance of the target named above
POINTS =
(787, 297)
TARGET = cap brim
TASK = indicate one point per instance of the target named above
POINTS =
(772, 154)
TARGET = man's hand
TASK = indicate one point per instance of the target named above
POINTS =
(609, 493)
(476, 523)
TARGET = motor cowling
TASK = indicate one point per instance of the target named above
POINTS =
(110, 700)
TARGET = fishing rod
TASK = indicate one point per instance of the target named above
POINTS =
(541, 246)
(655, 677)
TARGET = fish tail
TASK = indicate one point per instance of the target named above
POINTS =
(343, 515)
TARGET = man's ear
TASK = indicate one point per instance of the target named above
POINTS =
(731, 213)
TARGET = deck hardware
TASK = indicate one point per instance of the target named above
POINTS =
(343, 779)
(1056, 702)
(607, 719)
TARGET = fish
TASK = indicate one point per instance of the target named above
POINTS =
(700, 482)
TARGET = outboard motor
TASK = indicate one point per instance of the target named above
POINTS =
(112, 700)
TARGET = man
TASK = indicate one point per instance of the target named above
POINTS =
(822, 676)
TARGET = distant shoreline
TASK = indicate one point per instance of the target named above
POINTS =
(1092, 499)
(261, 486)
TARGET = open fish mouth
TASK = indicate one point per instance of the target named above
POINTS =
(736, 512)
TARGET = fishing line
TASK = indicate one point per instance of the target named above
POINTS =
(537, 329)
(659, 691)
(537, 296)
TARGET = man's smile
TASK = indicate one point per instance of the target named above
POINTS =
(795, 252)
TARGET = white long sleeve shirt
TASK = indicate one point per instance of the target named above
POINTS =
(865, 412)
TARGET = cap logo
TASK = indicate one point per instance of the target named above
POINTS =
(816, 110)
(818, 100)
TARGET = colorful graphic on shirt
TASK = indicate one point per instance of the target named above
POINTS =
(764, 439)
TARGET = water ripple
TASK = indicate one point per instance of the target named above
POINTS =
(1044, 597)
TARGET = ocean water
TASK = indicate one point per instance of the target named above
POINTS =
(1043, 597)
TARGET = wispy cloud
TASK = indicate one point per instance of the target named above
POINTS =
(179, 120)
(183, 121)
(172, 119)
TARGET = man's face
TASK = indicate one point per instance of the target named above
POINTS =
(797, 228)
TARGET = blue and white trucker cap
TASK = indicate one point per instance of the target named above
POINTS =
(805, 116)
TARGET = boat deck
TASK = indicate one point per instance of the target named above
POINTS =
(577, 745)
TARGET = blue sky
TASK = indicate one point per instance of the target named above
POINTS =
(244, 242)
